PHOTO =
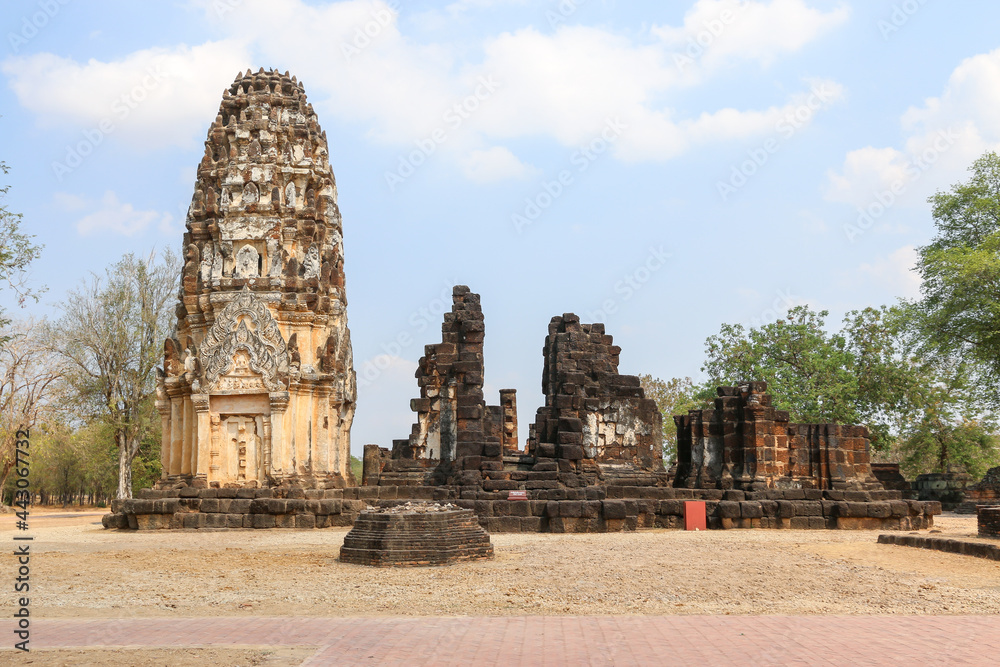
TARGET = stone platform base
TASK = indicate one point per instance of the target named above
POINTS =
(416, 535)
(977, 549)
(594, 509)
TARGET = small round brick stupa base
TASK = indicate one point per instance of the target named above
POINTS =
(414, 535)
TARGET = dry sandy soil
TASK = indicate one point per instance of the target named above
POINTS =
(81, 570)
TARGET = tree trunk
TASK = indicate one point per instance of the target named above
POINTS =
(124, 467)
(943, 455)
(3, 478)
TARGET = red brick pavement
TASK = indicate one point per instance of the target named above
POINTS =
(559, 640)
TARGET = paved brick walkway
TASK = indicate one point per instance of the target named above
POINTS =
(562, 640)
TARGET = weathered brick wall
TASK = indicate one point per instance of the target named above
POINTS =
(989, 521)
(987, 490)
(746, 443)
(891, 478)
(557, 510)
(508, 422)
(591, 412)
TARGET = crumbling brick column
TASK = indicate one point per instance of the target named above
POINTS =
(452, 420)
(592, 414)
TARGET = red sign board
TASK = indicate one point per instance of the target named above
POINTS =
(517, 495)
(694, 515)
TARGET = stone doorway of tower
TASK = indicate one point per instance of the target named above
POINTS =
(240, 455)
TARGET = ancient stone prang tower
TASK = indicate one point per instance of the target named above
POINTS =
(258, 386)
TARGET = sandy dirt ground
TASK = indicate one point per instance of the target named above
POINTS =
(80, 570)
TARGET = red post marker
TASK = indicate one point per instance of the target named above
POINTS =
(694, 515)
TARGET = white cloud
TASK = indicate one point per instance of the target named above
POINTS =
(358, 67)
(118, 217)
(717, 32)
(942, 137)
(656, 136)
(465, 5)
(893, 273)
(155, 97)
(493, 164)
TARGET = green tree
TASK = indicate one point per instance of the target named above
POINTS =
(808, 371)
(111, 335)
(17, 251)
(960, 268)
(673, 397)
(950, 429)
(877, 371)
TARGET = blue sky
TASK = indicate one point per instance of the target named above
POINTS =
(661, 167)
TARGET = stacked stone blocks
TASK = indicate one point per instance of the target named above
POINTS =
(746, 443)
(382, 538)
(592, 414)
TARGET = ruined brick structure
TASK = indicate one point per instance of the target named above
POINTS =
(452, 417)
(595, 420)
(258, 389)
(892, 479)
(596, 425)
(258, 385)
(988, 519)
(745, 443)
(984, 492)
(455, 430)
(414, 535)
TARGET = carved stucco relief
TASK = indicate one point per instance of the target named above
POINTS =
(244, 342)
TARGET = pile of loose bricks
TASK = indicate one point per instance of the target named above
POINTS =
(415, 536)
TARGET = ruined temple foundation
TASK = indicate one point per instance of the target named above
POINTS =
(593, 462)
(257, 392)
(415, 535)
